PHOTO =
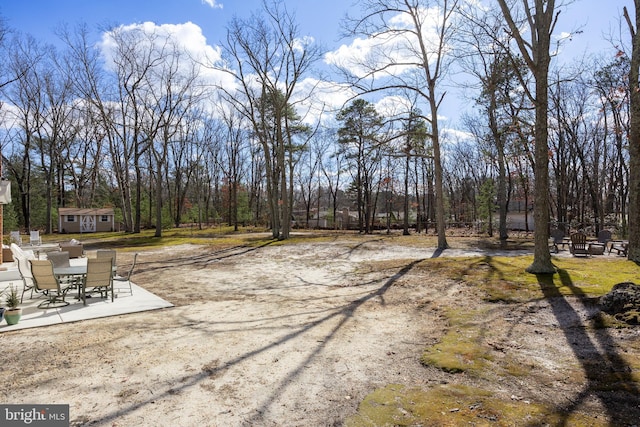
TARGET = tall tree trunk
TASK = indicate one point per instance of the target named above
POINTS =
(439, 186)
(541, 19)
(633, 251)
(405, 230)
(541, 256)
(158, 205)
(138, 204)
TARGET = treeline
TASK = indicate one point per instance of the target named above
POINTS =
(142, 124)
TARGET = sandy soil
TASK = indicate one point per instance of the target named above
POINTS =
(297, 335)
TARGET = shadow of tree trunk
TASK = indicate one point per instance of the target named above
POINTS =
(608, 375)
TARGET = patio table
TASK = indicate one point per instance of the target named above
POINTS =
(76, 271)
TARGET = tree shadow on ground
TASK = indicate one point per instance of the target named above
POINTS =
(343, 313)
(199, 260)
(608, 375)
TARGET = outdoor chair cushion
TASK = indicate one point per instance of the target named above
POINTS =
(75, 250)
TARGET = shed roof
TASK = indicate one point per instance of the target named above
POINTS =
(85, 211)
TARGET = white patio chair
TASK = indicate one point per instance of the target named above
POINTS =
(15, 237)
(34, 238)
(24, 268)
(127, 276)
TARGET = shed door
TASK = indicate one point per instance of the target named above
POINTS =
(87, 224)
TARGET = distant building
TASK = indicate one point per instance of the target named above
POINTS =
(520, 217)
(90, 220)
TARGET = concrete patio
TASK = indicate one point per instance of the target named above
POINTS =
(32, 316)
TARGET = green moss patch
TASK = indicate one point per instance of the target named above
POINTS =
(504, 279)
(455, 405)
(461, 348)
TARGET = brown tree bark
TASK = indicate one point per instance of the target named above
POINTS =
(540, 19)
(633, 251)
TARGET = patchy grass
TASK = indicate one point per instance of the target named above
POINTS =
(455, 405)
(461, 349)
(465, 345)
(505, 279)
(218, 237)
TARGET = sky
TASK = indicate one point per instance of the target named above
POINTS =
(317, 18)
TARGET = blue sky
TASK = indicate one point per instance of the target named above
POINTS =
(317, 18)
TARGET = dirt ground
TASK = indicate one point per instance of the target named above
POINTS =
(298, 335)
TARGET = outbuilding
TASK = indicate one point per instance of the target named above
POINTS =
(87, 220)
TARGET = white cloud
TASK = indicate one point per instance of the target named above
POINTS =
(9, 119)
(363, 56)
(454, 136)
(396, 52)
(326, 98)
(300, 44)
(213, 4)
(391, 106)
(187, 36)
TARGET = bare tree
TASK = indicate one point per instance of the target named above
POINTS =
(107, 98)
(307, 174)
(232, 160)
(168, 93)
(134, 56)
(492, 65)
(24, 94)
(211, 141)
(5, 77)
(332, 168)
(411, 44)
(55, 131)
(268, 58)
(540, 18)
(414, 136)
(633, 252)
(610, 81)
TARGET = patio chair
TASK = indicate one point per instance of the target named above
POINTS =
(99, 278)
(597, 248)
(604, 237)
(22, 258)
(59, 259)
(45, 281)
(34, 238)
(558, 239)
(15, 238)
(620, 247)
(24, 268)
(106, 253)
(127, 276)
(76, 250)
(17, 251)
(579, 246)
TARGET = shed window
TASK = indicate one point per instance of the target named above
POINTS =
(104, 218)
(71, 218)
